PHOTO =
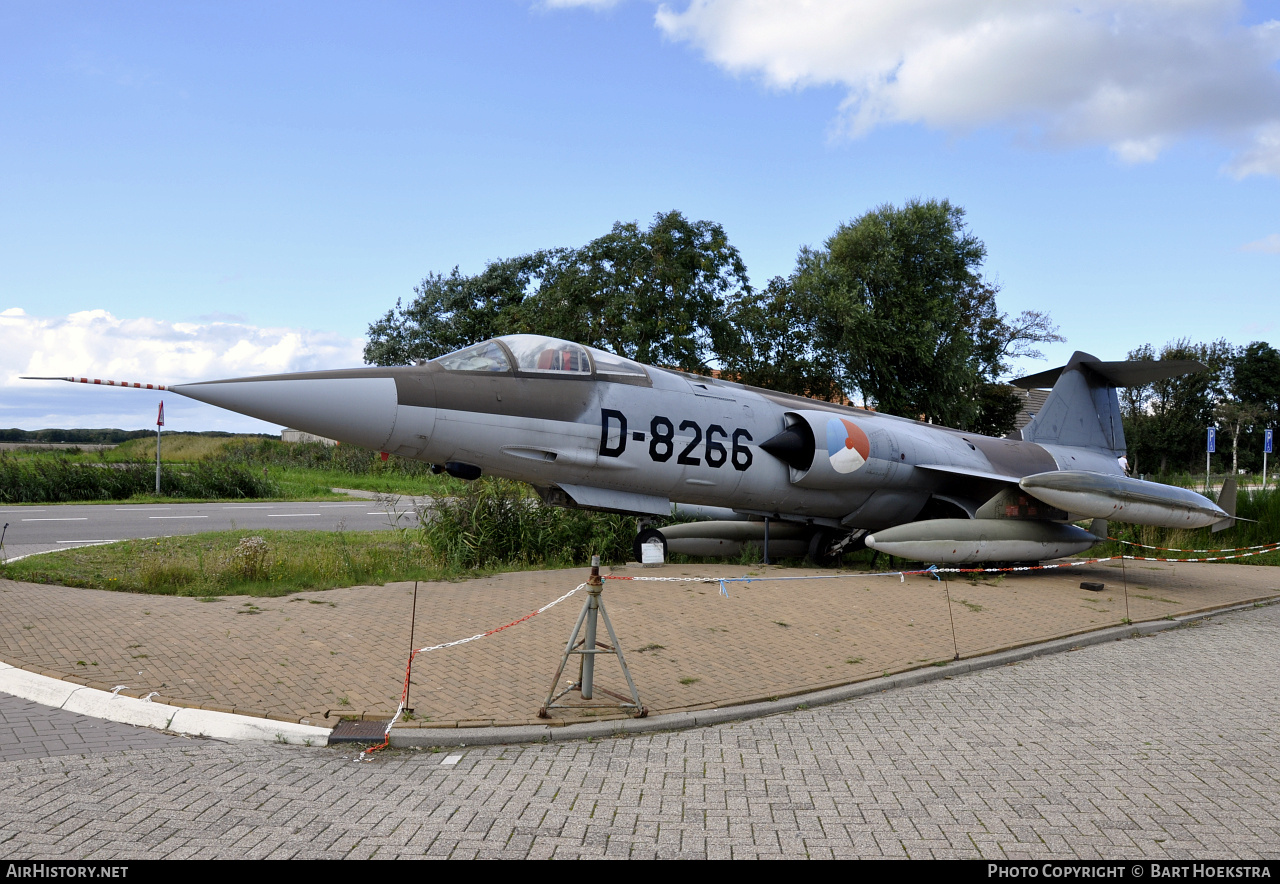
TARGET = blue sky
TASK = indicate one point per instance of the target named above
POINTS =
(216, 189)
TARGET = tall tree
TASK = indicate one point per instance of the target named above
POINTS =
(777, 349)
(1165, 421)
(902, 314)
(1256, 379)
(659, 295)
(450, 312)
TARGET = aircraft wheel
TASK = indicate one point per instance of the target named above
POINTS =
(820, 549)
(648, 535)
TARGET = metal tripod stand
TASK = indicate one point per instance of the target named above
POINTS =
(588, 647)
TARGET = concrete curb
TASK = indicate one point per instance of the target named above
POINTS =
(490, 736)
(160, 716)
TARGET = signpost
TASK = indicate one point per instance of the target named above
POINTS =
(159, 424)
(1266, 449)
(1209, 450)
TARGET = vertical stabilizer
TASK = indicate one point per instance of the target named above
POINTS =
(1227, 503)
(1082, 410)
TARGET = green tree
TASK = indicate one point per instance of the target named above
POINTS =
(776, 345)
(659, 295)
(1165, 421)
(450, 312)
(1256, 379)
(901, 313)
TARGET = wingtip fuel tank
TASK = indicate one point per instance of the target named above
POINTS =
(971, 541)
(1123, 499)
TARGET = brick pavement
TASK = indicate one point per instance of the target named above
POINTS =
(314, 657)
(1161, 747)
(30, 730)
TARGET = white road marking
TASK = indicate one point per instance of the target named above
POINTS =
(288, 515)
(247, 507)
(331, 505)
(60, 519)
(88, 541)
(177, 517)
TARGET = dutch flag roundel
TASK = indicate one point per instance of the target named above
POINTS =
(847, 446)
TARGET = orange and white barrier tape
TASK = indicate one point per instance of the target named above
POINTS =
(1274, 543)
(408, 670)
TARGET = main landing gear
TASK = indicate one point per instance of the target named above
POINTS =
(827, 547)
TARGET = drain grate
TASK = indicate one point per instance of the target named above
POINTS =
(358, 732)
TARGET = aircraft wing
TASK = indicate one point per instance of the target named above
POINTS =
(968, 473)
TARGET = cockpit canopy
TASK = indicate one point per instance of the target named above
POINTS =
(543, 357)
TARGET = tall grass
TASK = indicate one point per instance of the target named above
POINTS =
(258, 563)
(497, 523)
(1259, 513)
(185, 448)
(58, 480)
(317, 456)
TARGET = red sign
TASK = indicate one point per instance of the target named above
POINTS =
(160, 417)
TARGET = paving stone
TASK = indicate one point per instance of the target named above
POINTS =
(1159, 747)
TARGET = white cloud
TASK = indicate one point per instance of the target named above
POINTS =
(1136, 75)
(1269, 244)
(97, 344)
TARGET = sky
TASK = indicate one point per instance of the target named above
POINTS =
(202, 190)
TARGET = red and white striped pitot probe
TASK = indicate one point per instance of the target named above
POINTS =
(98, 381)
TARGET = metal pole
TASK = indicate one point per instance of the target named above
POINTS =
(413, 621)
(594, 586)
(157, 460)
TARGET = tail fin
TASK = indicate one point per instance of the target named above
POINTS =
(1083, 409)
(1227, 503)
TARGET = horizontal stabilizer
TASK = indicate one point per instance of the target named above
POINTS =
(1117, 374)
(1083, 409)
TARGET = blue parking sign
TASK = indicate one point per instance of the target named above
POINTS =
(1213, 439)
(1266, 441)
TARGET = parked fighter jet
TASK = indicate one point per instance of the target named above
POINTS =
(593, 430)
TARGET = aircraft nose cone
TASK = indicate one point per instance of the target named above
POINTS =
(356, 410)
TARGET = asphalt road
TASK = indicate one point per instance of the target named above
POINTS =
(1161, 747)
(35, 529)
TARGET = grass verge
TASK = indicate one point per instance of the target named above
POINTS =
(252, 563)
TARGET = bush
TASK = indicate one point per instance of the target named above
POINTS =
(498, 523)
